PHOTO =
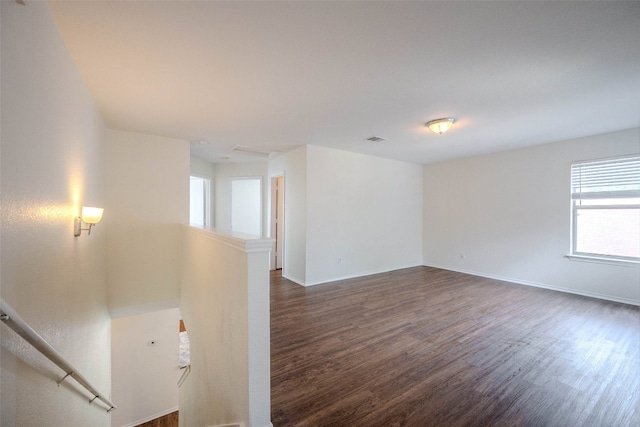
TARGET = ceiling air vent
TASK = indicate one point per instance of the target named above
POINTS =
(252, 151)
(375, 139)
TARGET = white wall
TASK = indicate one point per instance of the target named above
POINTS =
(224, 173)
(363, 215)
(508, 213)
(202, 167)
(52, 162)
(225, 308)
(148, 197)
(293, 165)
(145, 375)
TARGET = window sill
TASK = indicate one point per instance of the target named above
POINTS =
(602, 260)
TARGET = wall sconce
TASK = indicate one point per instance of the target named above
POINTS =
(440, 126)
(90, 216)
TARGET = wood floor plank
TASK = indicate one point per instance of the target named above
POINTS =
(430, 347)
(169, 420)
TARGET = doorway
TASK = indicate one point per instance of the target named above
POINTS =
(200, 201)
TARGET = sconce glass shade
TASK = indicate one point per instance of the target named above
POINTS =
(91, 216)
(440, 126)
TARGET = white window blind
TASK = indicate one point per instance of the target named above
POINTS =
(605, 196)
(606, 178)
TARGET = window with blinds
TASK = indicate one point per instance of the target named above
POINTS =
(605, 200)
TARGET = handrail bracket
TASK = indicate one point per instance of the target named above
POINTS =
(15, 322)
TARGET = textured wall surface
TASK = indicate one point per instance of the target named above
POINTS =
(52, 163)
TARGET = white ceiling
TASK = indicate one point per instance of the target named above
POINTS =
(275, 75)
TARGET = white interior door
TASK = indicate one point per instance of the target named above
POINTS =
(246, 205)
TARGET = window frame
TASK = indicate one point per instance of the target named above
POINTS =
(611, 193)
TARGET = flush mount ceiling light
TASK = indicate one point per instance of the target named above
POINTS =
(440, 126)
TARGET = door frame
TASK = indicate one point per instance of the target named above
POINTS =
(277, 229)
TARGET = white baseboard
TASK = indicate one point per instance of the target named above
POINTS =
(293, 279)
(347, 277)
(540, 285)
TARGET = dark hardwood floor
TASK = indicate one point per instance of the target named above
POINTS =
(169, 420)
(430, 347)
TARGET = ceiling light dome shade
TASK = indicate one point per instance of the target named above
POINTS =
(440, 126)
